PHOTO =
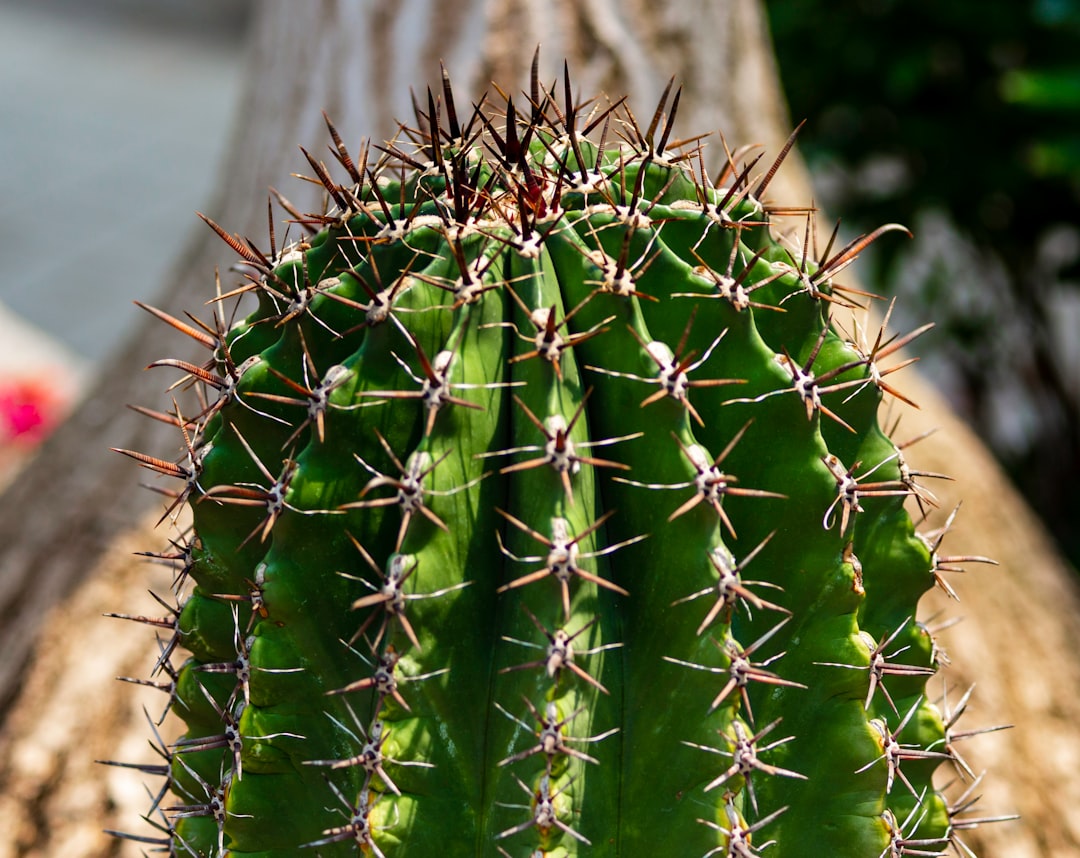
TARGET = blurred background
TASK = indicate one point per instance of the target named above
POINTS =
(959, 119)
(113, 115)
(962, 120)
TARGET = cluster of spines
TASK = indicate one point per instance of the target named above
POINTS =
(500, 281)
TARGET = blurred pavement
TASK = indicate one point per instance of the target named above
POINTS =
(113, 116)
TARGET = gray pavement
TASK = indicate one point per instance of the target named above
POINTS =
(103, 159)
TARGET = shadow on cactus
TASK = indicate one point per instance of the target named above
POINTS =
(541, 507)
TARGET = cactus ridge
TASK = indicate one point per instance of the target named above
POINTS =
(540, 506)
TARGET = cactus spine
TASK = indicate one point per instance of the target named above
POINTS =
(541, 508)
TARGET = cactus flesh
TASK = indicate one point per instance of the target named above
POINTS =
(540, 507)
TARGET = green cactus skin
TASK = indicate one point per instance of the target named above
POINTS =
(540, 509)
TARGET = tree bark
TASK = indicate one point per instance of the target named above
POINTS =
(74, 516)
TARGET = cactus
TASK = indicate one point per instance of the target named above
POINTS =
(541, 507)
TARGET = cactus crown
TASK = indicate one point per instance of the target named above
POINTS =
(540, 508)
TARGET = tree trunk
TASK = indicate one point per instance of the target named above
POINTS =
(74, 516)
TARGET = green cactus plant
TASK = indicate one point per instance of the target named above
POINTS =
(541, 507)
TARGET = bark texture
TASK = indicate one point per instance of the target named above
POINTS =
(71, 521)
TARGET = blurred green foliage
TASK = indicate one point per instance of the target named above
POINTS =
(977, 102)
(964, 115)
